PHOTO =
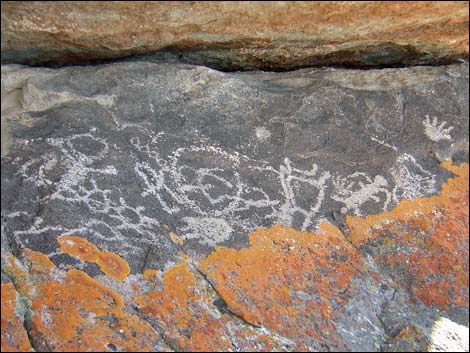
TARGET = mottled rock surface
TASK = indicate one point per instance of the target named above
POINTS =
(236, 35)
(174, 207)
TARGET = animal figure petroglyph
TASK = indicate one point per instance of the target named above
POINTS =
(358, 188)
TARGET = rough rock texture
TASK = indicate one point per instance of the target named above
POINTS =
(238, 35)
(173, 207)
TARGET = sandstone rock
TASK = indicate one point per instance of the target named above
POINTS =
(237, 35)
(175, 207)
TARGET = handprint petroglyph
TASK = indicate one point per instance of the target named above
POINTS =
(437, 132)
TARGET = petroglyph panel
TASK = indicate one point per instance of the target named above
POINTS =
(124, 154)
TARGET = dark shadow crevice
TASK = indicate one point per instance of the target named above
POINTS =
(236, 57)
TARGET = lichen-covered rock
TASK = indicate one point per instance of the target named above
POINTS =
(72, 312)
(294, 283)
(238, 35)
(173, 207)
(14, 336)
(417, 243)
(110, 263)
(186, 311)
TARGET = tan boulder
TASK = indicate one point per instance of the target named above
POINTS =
(238, 35)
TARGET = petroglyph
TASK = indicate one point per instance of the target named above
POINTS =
(215, 230)
(213, 155)
(262, 134)
(216, 193)
(296, 186)
(212, 201)
(437, 132)
(358, 188)
(411, 179)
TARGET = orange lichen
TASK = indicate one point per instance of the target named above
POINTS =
(185, 312)
(287, 279)
(410, 339)
(110, 263)
(14, 336)
(78, 247)
(424, 242)
(74, 312)
(113, 265)
(176, 239)
(135, 287)
(38, 262)
(151, 275)
(180, 311)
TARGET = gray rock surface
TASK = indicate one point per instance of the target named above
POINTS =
(120, 150)
(122, 153)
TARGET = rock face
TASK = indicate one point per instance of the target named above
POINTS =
(174, 207)
(238, 35)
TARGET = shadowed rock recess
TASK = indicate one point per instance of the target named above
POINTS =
(170, 207)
